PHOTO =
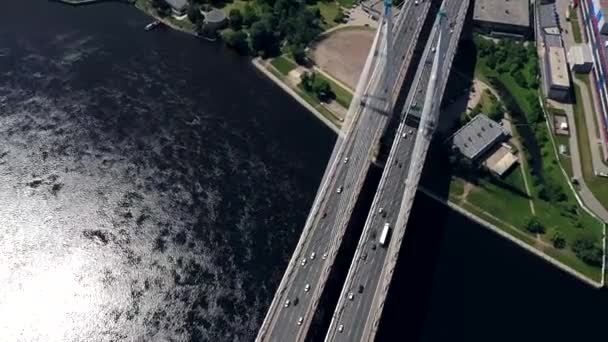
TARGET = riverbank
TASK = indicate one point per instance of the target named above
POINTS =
(257, 62)
(515, 240)
(180, 25)
(90, 2)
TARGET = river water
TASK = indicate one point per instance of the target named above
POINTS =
(153, 187)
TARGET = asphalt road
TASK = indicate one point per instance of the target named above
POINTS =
(357, 312)
(332, 210)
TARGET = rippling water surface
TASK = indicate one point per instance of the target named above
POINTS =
(152, 186)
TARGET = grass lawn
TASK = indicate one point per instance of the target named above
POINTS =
(283, 65)
(486, 101)
(329, 10)
(576, 30)
(343, 96)
(564, 159)
(347, 3)
(313, 101)
(456, 186)
(236, 4)
(507, 201)
(597, 185)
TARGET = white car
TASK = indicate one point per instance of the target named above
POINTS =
(300, 320)
(324, 256)
(345, 160)
(303, 261)
(339, 191)
(341, 328)
(287, 302)
(404, 135)
(433, 49)
(313, 255)
(416, 2)
(351, 296)
(307, 288)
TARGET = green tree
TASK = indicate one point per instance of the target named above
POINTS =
(534, 226)
(194, 14)
(322, 89)
(586, 249)
(236, 40)
(520, 79)
(249, 15)
(306, 80)
(299, 54)
(261, 38)
(339, 18)
(162, 8)
(557, 239)
(236, 19)
(491, 61)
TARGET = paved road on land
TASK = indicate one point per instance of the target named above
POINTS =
(307, 272)
(359, 308)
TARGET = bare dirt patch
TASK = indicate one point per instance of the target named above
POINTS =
(342, 53)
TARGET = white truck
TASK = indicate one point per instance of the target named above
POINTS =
(384, 235)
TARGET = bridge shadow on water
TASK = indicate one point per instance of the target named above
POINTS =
(408, 298)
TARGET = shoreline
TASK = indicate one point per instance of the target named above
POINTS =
(258, 65)
(547, 258)
(164, 21)
(256, 62)
(90, 2)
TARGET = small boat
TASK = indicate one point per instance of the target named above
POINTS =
(152, 25)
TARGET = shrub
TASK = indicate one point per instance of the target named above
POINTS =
(587, 250)
(557, 239)
(534, 226)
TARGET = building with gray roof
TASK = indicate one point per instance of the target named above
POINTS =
(178, 7)
(502, 17)
(215, 19)
(554, 65)
(478, 136)
(580, 58)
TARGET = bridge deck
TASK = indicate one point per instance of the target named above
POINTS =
(360, 305)
(304, 281)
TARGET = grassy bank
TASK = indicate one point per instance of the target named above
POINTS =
(183, 25)
(576, 29)
(506, 202)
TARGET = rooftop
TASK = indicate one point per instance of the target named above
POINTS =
(477, 136)
(558, 68)
(501, 161)
(177, 4)
(215, 16)
(547, 15)
(580, 54)
(511, 12)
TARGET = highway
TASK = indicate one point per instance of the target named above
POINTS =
(295, 302)
(359, 308)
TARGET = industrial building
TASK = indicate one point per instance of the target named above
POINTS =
(178, 7)
(594, 24)
(557, 76)
(509, 18)
(481, 140)
(580, 58)
(554, 66)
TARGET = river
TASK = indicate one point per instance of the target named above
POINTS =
(153, 187)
